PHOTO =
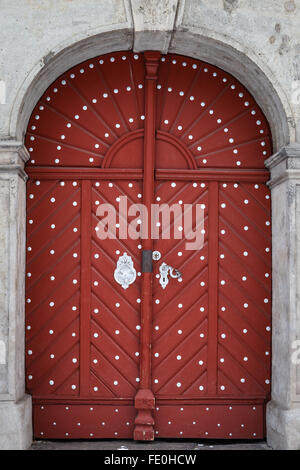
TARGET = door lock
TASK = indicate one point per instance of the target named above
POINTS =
(166, 270)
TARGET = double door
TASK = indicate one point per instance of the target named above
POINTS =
(148, 289)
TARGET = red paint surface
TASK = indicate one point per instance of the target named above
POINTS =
(209, 362)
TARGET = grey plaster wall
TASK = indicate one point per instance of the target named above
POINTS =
(261, 36)
(257, 41)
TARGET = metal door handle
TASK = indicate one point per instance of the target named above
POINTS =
(125, 274)
(166, 270)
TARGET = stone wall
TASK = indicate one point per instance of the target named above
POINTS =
(257, 41)
(33, 33)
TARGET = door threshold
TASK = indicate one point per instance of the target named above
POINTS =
(158, 445)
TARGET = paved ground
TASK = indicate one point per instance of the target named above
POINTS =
(159, 445)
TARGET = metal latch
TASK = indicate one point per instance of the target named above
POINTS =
(166, 270)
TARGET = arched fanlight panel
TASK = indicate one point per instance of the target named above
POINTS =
(93, 116)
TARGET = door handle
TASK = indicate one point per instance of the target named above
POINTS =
(165, 270)
(125, 274)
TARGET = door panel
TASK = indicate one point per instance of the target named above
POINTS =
(222, 421)
(51, 334)
(191, 360)
(210, 331)
(180, 310)
(104, 363)
(115, 316)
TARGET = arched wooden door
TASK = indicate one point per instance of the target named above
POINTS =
(184, 356)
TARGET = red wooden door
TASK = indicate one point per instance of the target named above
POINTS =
(187, 359)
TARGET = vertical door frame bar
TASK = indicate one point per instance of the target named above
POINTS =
(213, 286)
(85, 291)
(144, 399)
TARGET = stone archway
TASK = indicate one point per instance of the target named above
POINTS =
(249, 70)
